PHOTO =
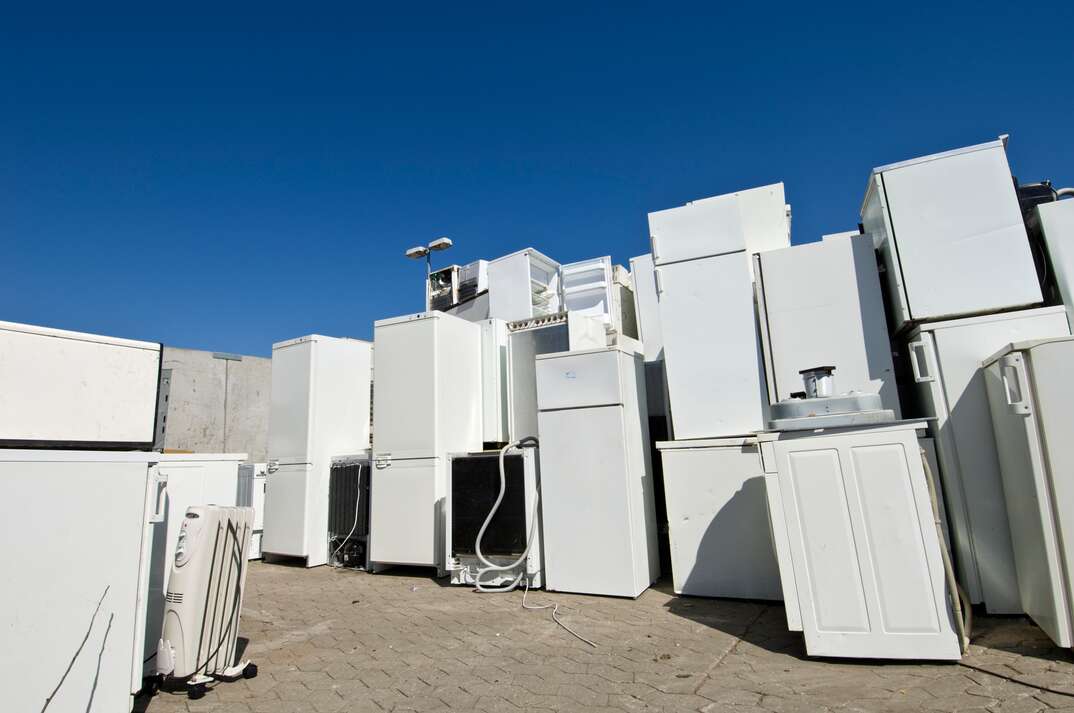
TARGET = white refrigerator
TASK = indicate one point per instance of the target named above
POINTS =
(427, 404)
(598, 514)
(1031, 394)
(320, 408)
(949, 230)
(948, 388)
(820, 304)
(703, 274)
(78, 529)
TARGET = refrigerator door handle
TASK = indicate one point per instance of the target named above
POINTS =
(1016, 397)
(915, 366)
(659, 284)
(652, 247)
(160, 482)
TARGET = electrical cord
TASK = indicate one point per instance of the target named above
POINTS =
(357, 509)
(555, 615)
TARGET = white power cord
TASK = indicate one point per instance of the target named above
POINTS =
(555, 615)
(357, 509)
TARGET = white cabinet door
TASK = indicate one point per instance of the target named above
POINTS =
(289, 418)
(286, 510)
(73, 609)
(712, 352)
(406, 512)
(405, 389)
(864, 547)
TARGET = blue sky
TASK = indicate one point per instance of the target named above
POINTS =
(226, 178)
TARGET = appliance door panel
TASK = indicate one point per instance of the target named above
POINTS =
(579, 380)
(289, 419)
(287, 510)
(976, 228)
(404, 411)
(97, 527)
(716, 496)
(587, 527)
(405, 512)
(1028, 497)
(712, 354)
(711, 226)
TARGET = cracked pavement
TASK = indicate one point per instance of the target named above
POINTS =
(338, 640)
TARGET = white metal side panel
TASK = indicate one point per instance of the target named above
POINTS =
(781, 543)
(1037, 543)
(588, 533)
(640, 483)
(405, 512)
(864, 547)
(962, 244)
(289, 416)
(720, 546)
(712, 352)
(575, 379)
(73, 633)
(458, 385)
(646, 307)
(287, 510)
(1057, 225)
(876, 221)
(404, 408)
(753, 220)
(69, 387)
(824, 306)
(509, 288)
(494, 384)
(961, 345)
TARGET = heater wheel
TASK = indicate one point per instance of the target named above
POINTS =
(196, 691)
(250, 671)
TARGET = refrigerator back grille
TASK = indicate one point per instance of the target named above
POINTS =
(475, 483)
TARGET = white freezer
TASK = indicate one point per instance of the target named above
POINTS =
(1031, 394)
(75, 389)
(945, 360)
(950, 231)
(712, 351)
(821, 305)
(598, 516)
(406, 499)
(753, 220)
(320, 407)
(76, 590)
(721, 544)
(861, 565)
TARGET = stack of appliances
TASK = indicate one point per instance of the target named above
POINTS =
(1031, 395)
(348, 511)
(513, 533)
(598, 515)
(252, 495)
(462, 291)
(427, 404)
(320, 408)
(960, 283)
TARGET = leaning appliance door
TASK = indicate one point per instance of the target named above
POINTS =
(72, 611)
(286, 510)
(711, 352)
(1037, 555)
(405, 512)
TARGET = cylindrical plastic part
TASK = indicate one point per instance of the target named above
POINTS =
(818, 381)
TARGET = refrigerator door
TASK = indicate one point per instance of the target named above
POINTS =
(406, 511)
(287, 510)
(960, 209)
(712, 353)
(74, 635)
(1036, 540)
(752, 220)
(864, 546)
(404, 409)
(823, 305)
(588, 531)
(290, 416)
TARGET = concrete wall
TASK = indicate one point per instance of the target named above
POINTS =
(214, 403)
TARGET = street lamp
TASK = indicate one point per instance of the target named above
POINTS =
(419, 252)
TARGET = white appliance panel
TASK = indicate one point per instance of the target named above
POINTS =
(287, 490)
(579, 380)
(1057, 226)
(406, 499)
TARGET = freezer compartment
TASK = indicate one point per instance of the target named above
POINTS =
(287, 516)
(579, 379)
(69, 389)
(718, 522)
(405, 523)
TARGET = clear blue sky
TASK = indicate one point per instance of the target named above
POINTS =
(224, 177)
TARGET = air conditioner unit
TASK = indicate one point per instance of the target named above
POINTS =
(348, 512)
(204, 598)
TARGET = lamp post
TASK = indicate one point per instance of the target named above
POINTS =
(426, 251)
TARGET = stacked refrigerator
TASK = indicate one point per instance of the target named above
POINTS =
(73, 611)
(1031, 395)
(427, 404)
(320, 408)
(598, 515)
(820, 303)
(703, 274)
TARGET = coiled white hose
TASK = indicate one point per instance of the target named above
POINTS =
(490, 566)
